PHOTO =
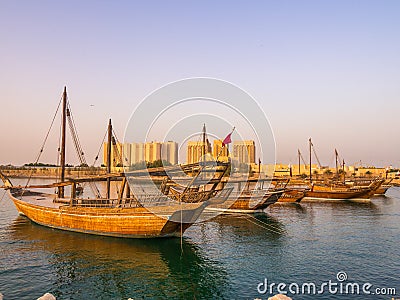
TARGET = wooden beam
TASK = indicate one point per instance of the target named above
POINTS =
(121, 192)
(73, 193)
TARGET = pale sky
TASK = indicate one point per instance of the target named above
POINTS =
(329, 70)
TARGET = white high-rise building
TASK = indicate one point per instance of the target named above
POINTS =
(244, 151)
(126, 154)
(133, 153)
(169, 152)
(137, 153)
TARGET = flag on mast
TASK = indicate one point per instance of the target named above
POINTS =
(227, 140)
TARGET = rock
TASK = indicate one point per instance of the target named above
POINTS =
(279, 297)
(47, 296)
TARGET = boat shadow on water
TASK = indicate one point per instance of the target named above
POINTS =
(82, 266)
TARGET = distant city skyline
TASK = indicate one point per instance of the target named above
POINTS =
(127, 154)
(328, 70)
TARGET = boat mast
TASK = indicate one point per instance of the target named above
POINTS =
(299, 154)
(336, 161)
(109, 157)
(344, 173)
(204, 141)
(63, 136)
(310, 145)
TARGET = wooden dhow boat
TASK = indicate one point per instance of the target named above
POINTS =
(245, 197)
(237, 200)
(127, 215)
(294, 191)
(381, 190)
(247, 201)
(292, 195)
(302, 190)
(335, 192)
(241, 194)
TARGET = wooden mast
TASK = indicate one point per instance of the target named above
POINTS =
(109, 157)
(336, 162)
(204, 142)
(299, 154)
(344, 173)
(63, 137)
(310, 145)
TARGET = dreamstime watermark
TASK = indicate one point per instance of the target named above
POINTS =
(340, 286)
(176, 112)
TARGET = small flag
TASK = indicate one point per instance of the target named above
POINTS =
(227, 140)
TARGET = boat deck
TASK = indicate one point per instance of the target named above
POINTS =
(39, 199)
(47, 200)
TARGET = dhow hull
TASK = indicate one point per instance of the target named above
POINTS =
(136, 222)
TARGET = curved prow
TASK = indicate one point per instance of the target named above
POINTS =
(375, 184)
(7, 182)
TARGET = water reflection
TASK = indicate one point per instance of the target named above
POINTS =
(85, 266)
(329, 207)
(290, 206)
(343, 207)
(223, 258)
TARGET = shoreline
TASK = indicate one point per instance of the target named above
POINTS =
(47, 173)
(53, 173)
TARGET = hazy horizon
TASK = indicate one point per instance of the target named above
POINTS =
(319, 69)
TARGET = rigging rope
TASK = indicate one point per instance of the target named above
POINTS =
(315, 154)
(78, 148)
(43, 144)
(340, 160)
(302, 158)
(115, 142)
(101, 146)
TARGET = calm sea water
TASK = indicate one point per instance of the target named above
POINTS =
(226, 258)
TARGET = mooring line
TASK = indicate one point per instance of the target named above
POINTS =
(267, 226)
(264, 227)
(257, 223)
